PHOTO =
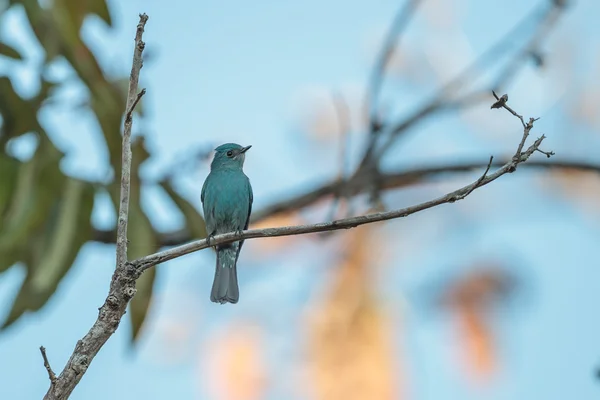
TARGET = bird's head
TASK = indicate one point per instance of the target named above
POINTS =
(229, 155)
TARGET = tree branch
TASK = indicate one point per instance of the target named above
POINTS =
(386, 51)
(51, 374)
(389, 181)
(142, 264)
(122, 286)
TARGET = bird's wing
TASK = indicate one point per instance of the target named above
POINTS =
(203, 189)
(208, 211)
(250, 200)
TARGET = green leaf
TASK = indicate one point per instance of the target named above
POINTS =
(39, 182)
(194, 222)
(140, 304)
(142, 236)
(52, 251)
(10, 168)
(19, 116)
(100, 8)
(10, 52)
(142, 241)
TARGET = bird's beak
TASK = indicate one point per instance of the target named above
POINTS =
(245, 149)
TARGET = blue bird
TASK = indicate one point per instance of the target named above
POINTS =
(227, 203)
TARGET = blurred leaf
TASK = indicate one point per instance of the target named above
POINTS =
(470, 299)
(9, 167)
(19, 116)
(10, 52)
(43, 26)
(58, 32)
(54, 249)
(34, 225)
(100, 8)
(239, 350)
(140, 304)
(350, 338)
(142, 236)
(37, 183)
(282, 242)
(194, 222)
(79, 9)
(482, 288)
(582, 188)
(480, 355)
(142, 241)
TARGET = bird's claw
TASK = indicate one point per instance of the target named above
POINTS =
(210, 238)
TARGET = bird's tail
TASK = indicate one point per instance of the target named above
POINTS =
(225, 285)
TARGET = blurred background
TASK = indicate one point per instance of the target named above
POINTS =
(350, 107)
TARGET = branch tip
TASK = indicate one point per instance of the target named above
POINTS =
(51, 374)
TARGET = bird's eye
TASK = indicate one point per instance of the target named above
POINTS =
(229, 153)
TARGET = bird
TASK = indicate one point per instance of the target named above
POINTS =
(227, 203)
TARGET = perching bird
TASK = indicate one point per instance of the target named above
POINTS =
(227, 203)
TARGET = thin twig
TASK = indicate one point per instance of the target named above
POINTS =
(122, 286)
(548, 154)
(51, 374)
(401, 20)
(478, 182)
(501, 103)
(342, 113)
(135, 102)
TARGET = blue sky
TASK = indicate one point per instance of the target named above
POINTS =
(247, 73)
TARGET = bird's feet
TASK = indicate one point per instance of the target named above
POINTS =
(210, 238)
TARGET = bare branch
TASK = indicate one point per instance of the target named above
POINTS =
(501, 103)
(393, 180)
(51, 374)
(386, 51)
(342, 113)
(146, 262)
(548, 154)
(135, 102)
(480, 180)
(122, 286)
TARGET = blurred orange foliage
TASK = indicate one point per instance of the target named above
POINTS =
(583, 188)
(276, 221)
(350, 338)
(235, 364)
(470, 299)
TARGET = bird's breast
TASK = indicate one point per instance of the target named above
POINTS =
(226, 201)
